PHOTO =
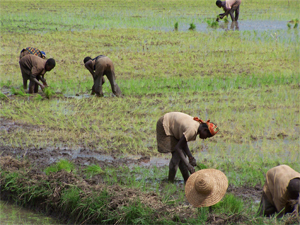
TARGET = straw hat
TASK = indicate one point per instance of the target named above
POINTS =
(206, 187)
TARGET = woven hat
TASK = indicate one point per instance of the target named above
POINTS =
(206, 187)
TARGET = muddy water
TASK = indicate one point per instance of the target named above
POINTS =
(242, 25)
(12, 214)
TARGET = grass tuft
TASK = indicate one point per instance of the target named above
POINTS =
(176, 26)
(192, 26)
(93, 170)
(49, 92)
(229, 205)
(61, 165)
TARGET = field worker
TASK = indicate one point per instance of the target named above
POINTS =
(33, 68)
(32, 51)
(280, 192)
(99, 66)
(173, 131)
(206, 187)
(229, 6)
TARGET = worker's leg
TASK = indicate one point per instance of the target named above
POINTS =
(184, 171)
(266, 208)
(173, 166)
(237, 13)
(112, 79)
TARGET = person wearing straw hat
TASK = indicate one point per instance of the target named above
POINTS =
(206, 187)
(281, 192)
(173, 131)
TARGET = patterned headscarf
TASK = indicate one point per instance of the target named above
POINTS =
(213, 129)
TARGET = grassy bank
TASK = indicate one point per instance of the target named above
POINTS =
(66, 192)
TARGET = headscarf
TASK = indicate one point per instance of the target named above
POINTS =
(213, 129)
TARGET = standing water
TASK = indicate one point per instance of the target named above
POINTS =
(12, 214)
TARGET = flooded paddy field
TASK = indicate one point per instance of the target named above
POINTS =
(86, 160)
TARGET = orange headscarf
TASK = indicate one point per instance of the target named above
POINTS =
(213, 129)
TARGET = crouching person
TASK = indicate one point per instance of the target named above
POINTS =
(173, 131)
(98, 67)
(33, 68)
(280, 192)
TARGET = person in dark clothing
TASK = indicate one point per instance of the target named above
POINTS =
(98, 67)
(33, 68)
(229, 7)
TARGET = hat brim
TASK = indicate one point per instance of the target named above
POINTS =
(200, 200)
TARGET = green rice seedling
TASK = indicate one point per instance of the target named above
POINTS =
(226, 19)
(136, 213)
(229, 205)
(3, 96)
(49, 92)
(289, 25)
(38, 97)
(18, 92)
(63, 164)
(296, 25)
(212, 23)
(176, 26)
(92, 170)
(192, 26)
(202, 214)
(70, 199)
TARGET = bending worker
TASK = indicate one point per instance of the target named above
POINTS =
(173, 131)
(280, 192)
(99, 66)
(33, 68)
(229, 7)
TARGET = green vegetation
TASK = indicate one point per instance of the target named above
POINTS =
(49, 92)
(229, 205)
(192, 26)
(176, 26)
(92, 170)
(61, 165)
(246, 81)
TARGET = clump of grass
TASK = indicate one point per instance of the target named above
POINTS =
(20, 91)
(61, 165)
(229, 205)
(38, 97)
(212, 23)
(3, 96)
(49, 92)
(294, 21)
(70, 198)
(176, 26)
(226, 19)
(192, 26)
(93, 170)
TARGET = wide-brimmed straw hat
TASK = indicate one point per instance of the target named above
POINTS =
(206, 187)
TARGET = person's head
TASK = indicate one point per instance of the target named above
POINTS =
(206, 129)
(50, 64)
(293, 188)
(86, 59)
(219, 3)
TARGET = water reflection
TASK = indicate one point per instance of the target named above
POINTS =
(12, 214)
(233, 26)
